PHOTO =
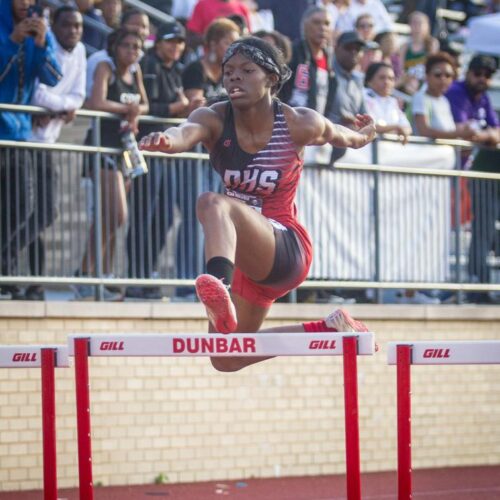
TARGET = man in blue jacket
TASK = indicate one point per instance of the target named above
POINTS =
(27, 53)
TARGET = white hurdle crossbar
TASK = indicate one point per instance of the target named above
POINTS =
(405, 354)
(348, 345)
(46, 358)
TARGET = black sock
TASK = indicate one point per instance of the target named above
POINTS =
(221, 268)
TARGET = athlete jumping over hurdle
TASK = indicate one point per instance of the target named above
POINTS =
(254, 243)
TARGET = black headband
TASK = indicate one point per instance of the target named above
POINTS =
(258, 57)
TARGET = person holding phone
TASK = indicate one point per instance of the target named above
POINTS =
(28, 54)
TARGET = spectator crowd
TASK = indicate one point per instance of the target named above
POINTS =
(346, 57)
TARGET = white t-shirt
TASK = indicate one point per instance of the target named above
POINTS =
(437, 110)
(376, 9)
(384, 110)
(67, 95)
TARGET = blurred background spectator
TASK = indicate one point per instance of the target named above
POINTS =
(389, 48)
(202, 79)
(365, 26)
(93, 37)
(112, 12)
(348, 100)
(61, 101)
(27, 55)
(340, 16)
(117, 89)
(376, 8)
(431, 110)
(132, 20)
(471, 105)
(312, 82)
(414, 53)
(381, 105)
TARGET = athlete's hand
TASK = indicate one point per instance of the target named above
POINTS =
(366, 127)
(156, 141)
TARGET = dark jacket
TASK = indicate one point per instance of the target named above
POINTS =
(162, 85)
(301, 56)
(20, 65)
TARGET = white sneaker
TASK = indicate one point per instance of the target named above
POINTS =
(342, 321)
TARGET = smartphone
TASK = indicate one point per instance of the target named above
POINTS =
(34, 9)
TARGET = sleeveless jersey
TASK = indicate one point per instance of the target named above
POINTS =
(125, 93)
(266, 180)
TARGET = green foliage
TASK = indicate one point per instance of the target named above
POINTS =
(161, 478)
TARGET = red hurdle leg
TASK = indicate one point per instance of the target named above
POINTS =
(48, 359)
(403, 354)
(353, 472)
(83, 418)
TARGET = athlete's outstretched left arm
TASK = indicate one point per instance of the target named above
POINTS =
(310, 128)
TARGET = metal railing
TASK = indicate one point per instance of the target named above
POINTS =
(159, 242)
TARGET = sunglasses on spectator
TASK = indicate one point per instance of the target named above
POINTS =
(479, 73)
(367, 25)
(440, 74)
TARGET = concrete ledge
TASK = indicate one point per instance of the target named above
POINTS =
(165, 310)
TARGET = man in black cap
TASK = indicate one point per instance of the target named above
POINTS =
(348, 100)
(470, 103)
(349, 95)
(151, 213)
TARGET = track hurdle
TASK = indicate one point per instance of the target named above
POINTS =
(242, 345)
(47, 358)
(405, 354)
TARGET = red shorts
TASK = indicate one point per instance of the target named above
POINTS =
(291, 265)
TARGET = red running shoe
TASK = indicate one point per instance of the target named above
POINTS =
(215, 297)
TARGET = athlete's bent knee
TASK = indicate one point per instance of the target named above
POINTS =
(207, 203)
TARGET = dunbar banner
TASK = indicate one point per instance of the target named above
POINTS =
(235, 344)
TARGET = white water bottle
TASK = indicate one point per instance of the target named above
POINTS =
(134, 161)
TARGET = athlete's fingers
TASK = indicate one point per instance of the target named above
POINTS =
(157, 138)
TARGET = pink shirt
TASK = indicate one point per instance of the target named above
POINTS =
(205, 11)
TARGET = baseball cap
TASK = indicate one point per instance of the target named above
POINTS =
(483, 62)
(171, 31)
(349, 37)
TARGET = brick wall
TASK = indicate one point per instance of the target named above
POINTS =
(181, 418)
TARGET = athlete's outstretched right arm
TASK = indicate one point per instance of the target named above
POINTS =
(200, 126)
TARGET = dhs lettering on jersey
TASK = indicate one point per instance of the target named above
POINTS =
(322, 344)
(436, 353)
(24, 357)
(111, 346)
(214, 346)
(252, 180)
